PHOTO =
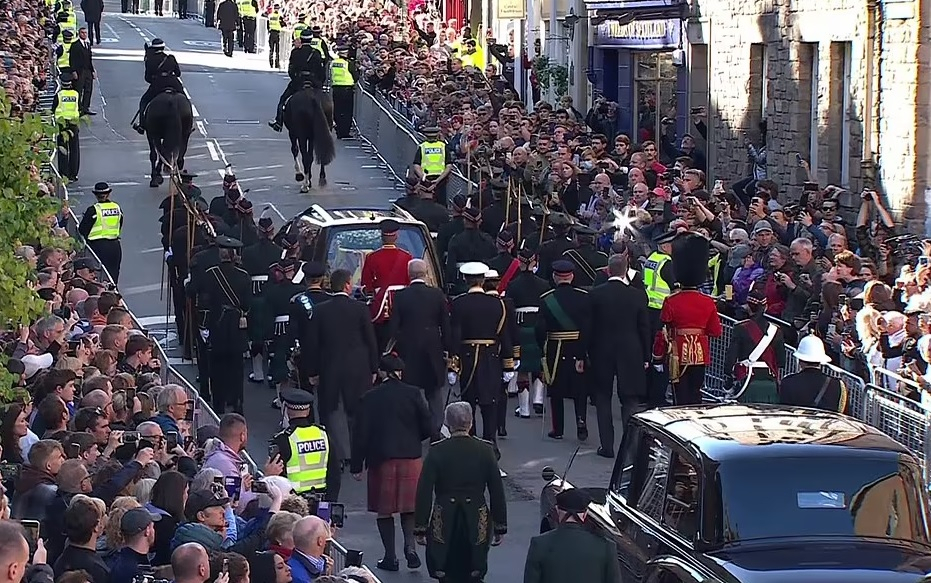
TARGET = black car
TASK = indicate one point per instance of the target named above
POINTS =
(762, 493)
(342, 237)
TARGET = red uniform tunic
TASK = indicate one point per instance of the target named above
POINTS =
(690, 319)
(381, 270)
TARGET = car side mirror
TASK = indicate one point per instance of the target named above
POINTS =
(548, 474)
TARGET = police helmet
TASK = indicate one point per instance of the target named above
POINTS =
(307, 34)
(157, 44)
(316, 29)
(66, 79)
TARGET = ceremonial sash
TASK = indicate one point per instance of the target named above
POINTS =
(508, 275)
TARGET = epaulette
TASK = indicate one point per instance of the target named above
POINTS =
(546, 293)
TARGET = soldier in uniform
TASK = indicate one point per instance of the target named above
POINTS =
(301, 312)
(492, 282)
(188, 237)
(227, 291)
(452, 517)
(449, 230)
(277, 298)
(223, 206)
(620, 247)
(756, 377)
(553, 249)
(494, 213)
(256, 260)
(304, 449)
(384, 272)
(241, 224)
(525, 290)
(563, 329)
(690, 319)
(505, 257)
(588, 260)
(482, 346)
(471, 245)
(203, 259)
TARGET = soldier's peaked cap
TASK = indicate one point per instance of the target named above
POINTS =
(664, 238)
(314, 269)
(474, 269)
(559, 220)
(573, 500)
(296, 399)
(389, 227)
(224, 242)
(563, 267)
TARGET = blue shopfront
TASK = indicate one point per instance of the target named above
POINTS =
(637, 60)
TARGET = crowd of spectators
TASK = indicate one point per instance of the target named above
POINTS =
(25, 56)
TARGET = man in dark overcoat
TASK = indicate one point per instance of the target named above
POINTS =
(419, 333)
(619, 350)
(452, 516)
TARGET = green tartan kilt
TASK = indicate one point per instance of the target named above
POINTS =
(531, 355)
(760, 390)
(261, 325)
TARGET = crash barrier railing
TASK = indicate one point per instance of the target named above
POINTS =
(339, 553)
(890, 411)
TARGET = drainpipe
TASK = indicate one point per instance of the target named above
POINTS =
(872, 89)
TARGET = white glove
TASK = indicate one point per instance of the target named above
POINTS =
(658, 367)
(168, 254)
(204, 334)
(452, 378)
(187, 280)
(517, 364)
(507, 376)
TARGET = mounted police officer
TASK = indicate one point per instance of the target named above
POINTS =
(67, 115)
(304, 448)
(318, 44)
(304, 66)
(433, 162)
(101, 226)
(275, 24)
(343, 76)
(161, 73)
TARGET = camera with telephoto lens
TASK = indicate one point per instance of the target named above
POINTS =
(146, 574)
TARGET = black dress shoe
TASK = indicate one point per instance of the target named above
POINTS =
(554, 435)
(386, 565)
(582, 432)
(413, 560)
(502, 432)
(605, 453)
(89, 112)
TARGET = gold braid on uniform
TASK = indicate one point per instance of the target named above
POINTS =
(482, 525)
(436, 523)
(508, 361)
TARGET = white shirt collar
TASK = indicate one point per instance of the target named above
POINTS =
(418, 280)
(623, 280)
(340, 294)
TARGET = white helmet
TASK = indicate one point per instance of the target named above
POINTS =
(811, 349)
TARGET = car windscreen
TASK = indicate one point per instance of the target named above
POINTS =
(869, 496)
(348, 246)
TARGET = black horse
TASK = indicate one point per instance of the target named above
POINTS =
(305, 116)
(169, 123)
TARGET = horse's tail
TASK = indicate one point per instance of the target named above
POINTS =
(171, 135)
(324, 147)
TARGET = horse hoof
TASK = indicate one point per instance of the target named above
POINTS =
(305, 188)
(153, 183)
(298, 177)
(322, 181)
(160, 179)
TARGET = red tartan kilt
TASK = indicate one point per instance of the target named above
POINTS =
(392, 486)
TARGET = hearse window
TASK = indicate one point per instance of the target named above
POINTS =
(681, 509)
(654, 459)
(871, 496)
(348, 246)
(623, 473)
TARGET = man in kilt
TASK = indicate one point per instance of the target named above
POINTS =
(392, 421)
(525, 290)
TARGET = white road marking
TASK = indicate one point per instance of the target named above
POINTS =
(213, 151)
(141, 289)
(112, 32)
(193, 108)
(201, 128)
(153, 250)
(175, 361)
(152, 320)
(129, 183)
(220, 150)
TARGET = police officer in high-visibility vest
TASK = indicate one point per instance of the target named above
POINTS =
(248, 11)
(343, 84)
(433, 162)
(63, 53)
(658, 279)
(298, 28)
(67, 115)
(319, 44)
(275, 24)
(305, 449)
(66, 17)
(101, 226)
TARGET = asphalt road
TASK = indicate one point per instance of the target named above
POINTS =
(233, 97)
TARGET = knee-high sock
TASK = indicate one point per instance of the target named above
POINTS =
(407, 529)
(386, 532)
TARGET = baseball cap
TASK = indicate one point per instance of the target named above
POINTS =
(200, 500)
(137, 520)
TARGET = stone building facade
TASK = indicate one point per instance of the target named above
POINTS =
(845, 84)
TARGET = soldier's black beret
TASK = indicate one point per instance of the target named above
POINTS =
(314, 269)
(224, 242)
(573, 500)
(563, 267)
(389, 227)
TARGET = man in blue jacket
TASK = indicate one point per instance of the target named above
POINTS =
(308, 560)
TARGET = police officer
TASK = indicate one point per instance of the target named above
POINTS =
(161, 72)
(302, 310)
(227, 290)
(562, 330)
(298, 29)
(318, 44)
(303, 65)
(63, 54)
(67, 115)
(248, 11)
(275, 24)
(343, 81)
(256, 260)
(525, 290)
(66, 18)
(304, 448)
(546, 555)
(586, 258)
(658, 280)
(553, 249)
(482, 346)
(433, 163)
(471, 245)
(283, 286)
(100, 226)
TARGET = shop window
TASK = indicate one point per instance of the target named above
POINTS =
(655, 89)
(837, 129)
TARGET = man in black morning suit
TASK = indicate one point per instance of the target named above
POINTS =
(635, 277)
(81, 62)
(419, 333)
(619, 349)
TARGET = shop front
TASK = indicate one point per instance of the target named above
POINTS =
(638, 62)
